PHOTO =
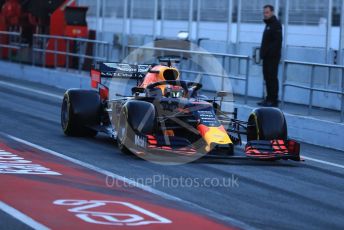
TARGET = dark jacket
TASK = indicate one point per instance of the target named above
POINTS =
(272, 39)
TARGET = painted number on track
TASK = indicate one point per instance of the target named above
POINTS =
(112, 213)
(13, 164)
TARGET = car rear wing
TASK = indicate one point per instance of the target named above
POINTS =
(117, 70)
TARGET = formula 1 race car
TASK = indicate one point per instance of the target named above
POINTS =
(166, 115)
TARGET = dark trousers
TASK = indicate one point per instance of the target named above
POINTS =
(270, 72)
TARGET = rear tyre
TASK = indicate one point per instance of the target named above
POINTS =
(267, 124)
(75, 117)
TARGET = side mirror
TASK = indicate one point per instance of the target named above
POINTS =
(223, 94)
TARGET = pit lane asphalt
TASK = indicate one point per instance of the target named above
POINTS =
(268, 195)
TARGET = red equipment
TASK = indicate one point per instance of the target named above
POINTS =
(9, 19)
(68, 20)
(55, 17)
(11, 11)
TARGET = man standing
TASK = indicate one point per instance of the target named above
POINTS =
(270, 53)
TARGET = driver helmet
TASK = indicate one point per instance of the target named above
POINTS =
(174, 91)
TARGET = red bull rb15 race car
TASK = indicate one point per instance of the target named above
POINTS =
(165, 115)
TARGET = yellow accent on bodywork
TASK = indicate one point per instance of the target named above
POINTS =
(162, 69)
(216, 136)
(161, 77)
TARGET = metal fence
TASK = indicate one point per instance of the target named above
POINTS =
(101, 52)
(36, 54)
(197, 55)
(13, 44)
(312, 88)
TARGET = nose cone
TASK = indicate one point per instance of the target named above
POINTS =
(214, 136)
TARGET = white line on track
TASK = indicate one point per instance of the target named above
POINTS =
(323, 162)
(21, 217)
(30, 90)
(211, 213)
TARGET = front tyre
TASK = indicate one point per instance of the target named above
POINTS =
(267, 124)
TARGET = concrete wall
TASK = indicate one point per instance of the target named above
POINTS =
(57, 78)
